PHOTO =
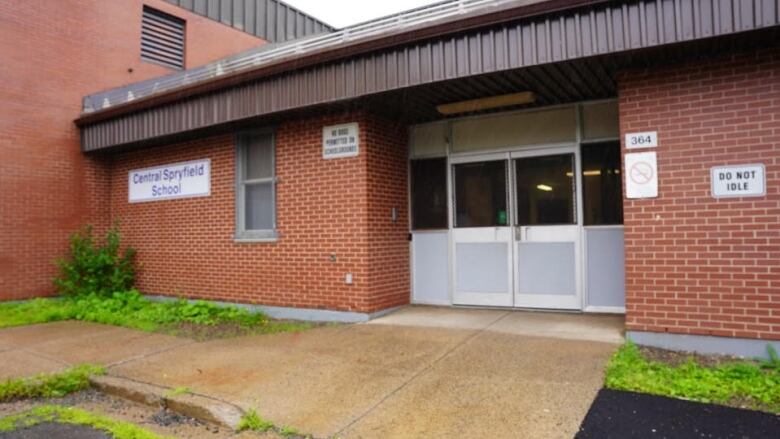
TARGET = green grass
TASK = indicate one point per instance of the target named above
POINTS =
(288, 431)
(52, 385)
(131, 309)
(179, 391)
(69, 415)
(752, 384)
(254, 422)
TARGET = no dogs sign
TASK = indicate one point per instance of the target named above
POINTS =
(738, 181)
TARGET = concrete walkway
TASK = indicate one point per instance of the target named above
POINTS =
(419, 372)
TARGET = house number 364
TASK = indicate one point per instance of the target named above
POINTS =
(648, 139)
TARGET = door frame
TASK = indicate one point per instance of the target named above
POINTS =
(479, 235)
(550, 301)
(509, 154)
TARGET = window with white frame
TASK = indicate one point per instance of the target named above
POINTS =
(255, 186)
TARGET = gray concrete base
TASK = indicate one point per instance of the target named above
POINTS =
(704, 344)
(288, 313)
(200, 407)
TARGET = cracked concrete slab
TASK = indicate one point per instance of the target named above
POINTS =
(29, 336)
(109, 347)
(494, 385)
(567, 326)
(71, 342)
(316, 380)
(420, 372)
(17, 363)
(441, 317)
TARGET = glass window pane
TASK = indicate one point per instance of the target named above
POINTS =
(259, 206)
(600, 120)
(429, 194)
(602, 194)
(429, 139)
(545, 190)
(549, 125)
(480, 194)
(259, 156)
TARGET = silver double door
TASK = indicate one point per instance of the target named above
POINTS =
(516, 229)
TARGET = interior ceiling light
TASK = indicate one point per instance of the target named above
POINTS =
(480, 104)
(544, 187)
(594, 172)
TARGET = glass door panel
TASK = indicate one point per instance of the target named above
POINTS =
(482, 251)
(480, 194)
(545, 190)
(546, 250)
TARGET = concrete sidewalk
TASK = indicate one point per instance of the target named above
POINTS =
(419, 372)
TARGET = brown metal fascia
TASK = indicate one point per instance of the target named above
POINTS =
(344, 51)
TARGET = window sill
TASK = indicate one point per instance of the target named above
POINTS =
(260, 238)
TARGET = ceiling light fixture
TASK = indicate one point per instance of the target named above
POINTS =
(526, 97)
(544, 187)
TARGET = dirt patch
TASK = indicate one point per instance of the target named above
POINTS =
(156, 419)
(48, 430)
(200, 332)
(676, 358)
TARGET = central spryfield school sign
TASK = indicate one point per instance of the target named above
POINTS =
(340, 141)
(177, 180)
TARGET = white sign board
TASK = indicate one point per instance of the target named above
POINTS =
(738, 181)
(340, 141)
(641, 175)
(178, 180)
(647, 139)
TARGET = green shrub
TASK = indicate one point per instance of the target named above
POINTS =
(91, 268)
(52, 385)
(756, 384)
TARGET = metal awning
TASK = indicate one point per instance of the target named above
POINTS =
(576, 50)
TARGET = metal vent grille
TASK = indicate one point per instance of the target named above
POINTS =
(162, 39)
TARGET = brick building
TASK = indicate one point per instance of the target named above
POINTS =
(576, 155)
(55, 52)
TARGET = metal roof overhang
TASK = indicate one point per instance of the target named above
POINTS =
(563, 56)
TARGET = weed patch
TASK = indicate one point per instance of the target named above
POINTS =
(131, 309)
(179, 391)
(53, 385)
(96, 284)
(754, 385)
(252, 421)
(69, 415)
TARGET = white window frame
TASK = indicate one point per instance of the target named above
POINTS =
(242, 234)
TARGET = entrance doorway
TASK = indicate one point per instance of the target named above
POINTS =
(516, 229)
(519, 209)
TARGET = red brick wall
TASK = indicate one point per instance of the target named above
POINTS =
(52, 53)
(388, 241)
(325, 207)
(695, 264)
